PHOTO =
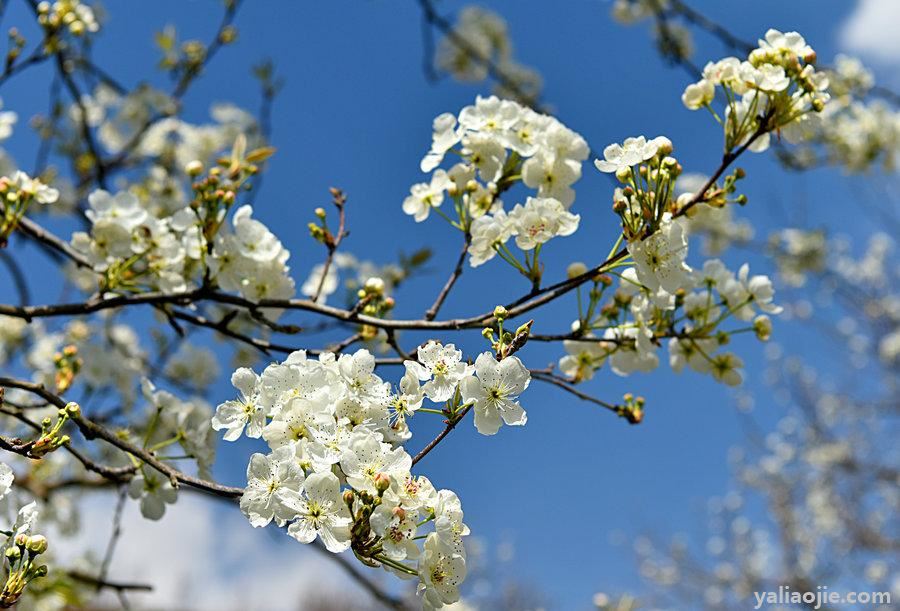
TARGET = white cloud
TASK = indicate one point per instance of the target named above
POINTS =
(202, 555)
(871, 31)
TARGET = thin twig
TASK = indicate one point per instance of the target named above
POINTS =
(451, 281)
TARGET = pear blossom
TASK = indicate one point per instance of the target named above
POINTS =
(34, 188)
(583, 358)
(487, 232)
(234, 415)
(486, 154)
(659, 259)
(6, 479)
(631, 152)
(273, 486)
(440, 367)
(694, 353)
(321, 511)
(366, 457)
(539, 220)
(786, 42)
(725, 368)
(441, 570)
(745, 292)
(446, 136)
(551, 176)
(490, 114)
(699, 94)
(494, 390)
(424, 196)
(123, 209)
(8, 118)
(635, 350)
(396, 525)
(448, 520)
(154, 490)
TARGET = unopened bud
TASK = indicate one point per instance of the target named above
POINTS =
(382, 482)
(320, 212)
(576, 269)
(665, 145)
(623, 174)
(37, 544)
(762, 326)
(375, 285)
(500, 312)
(194, 168)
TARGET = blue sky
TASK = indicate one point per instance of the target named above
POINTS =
(356, 113)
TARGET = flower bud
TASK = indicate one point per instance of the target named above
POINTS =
(762, 326)
(194, 168)
(665, 145)
(576, 269)
(320, 212)
(382, 483)
(348, 498)
(623, 174)
(37, 544)
(500, 312)
(375, 285)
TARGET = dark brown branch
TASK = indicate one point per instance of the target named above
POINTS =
(92, 430)
(102, 584)
(451, 424)
(451, 281)
(549, 377)
(367, 584)
(18, 278)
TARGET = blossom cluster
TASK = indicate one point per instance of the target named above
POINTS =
(502, 142)
(776, 87)
(337, 469)
(135, 250)
(72, 15)
(660, 296)
(852, 132)
(17, 193)
(643, 313)
(673, 39)
(480, 40)
(21, 549)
